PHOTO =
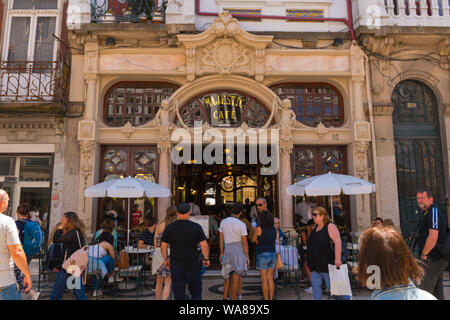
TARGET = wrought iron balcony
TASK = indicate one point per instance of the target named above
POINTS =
(32, 82)
(127, 10)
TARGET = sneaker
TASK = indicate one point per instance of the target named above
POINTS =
(119, 279)
(97, 293)
(309, 290)
(240, 297)
(36, 296)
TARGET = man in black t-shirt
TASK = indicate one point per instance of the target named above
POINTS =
(432, 230)
(183, 236)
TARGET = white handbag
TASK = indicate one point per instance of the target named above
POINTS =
(339, 281)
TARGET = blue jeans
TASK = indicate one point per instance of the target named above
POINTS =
(179, 279)
(109, 263)
(60, 287)
(316, 279)
(10, 293)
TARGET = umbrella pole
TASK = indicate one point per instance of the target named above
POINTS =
(332, 215)
(128, 223)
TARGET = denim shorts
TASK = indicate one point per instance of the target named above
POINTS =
(266, 260)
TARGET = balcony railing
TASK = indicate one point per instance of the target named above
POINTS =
(33, 82)
(127, 10)
(408, 13)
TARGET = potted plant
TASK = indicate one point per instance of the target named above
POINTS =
(157, 17)
(126, 15)
(143, 18)
(108, 16)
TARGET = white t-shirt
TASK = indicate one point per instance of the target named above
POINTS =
(8, 236)
(233, 230)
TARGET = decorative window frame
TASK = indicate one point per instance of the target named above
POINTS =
(34, 15)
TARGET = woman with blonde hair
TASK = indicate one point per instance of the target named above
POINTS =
(398, 270)
(320, 253)
(158, 267)
(72, 239)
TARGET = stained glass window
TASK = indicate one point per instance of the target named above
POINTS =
(225, 109)
(135, 102)
(313, 103)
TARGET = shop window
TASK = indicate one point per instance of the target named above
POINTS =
(314, 103)
(35, 169)
(135, 102)
(7, 166)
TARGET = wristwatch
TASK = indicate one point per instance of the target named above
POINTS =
(205, 259)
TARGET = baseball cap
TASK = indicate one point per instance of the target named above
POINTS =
(183, 208)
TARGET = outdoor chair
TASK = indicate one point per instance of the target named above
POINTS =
(289, 275)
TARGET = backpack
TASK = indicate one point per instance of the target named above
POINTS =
(78, 260)
(32, 238)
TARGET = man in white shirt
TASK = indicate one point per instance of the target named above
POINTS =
(235, 258)
(11, 252)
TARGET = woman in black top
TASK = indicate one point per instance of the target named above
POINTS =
(320, 253)
(72, 239)
(265, 236)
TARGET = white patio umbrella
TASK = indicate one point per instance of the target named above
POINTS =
(330, 184)
(127, 188)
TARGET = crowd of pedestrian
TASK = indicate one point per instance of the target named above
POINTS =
(181, 251)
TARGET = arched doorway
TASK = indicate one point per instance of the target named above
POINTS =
(418, 150)
(232, 177)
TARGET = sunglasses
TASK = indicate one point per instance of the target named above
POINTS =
(315, 214)
(259, 205)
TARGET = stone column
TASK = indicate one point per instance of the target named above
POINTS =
(87, 135)
(387, 174)
(361, 137)
(164, 150)
(446, 152)
(286, 208)
(358, 167)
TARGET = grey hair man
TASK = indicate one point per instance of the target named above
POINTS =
(11, 252)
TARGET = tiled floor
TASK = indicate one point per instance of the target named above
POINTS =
(212, 289)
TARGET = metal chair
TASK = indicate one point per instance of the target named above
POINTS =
(289, 275)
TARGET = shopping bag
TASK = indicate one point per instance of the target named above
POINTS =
(339, 281)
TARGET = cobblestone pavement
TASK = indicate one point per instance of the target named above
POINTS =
(212, 289)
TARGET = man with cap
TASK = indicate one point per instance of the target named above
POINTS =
(183, 236)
